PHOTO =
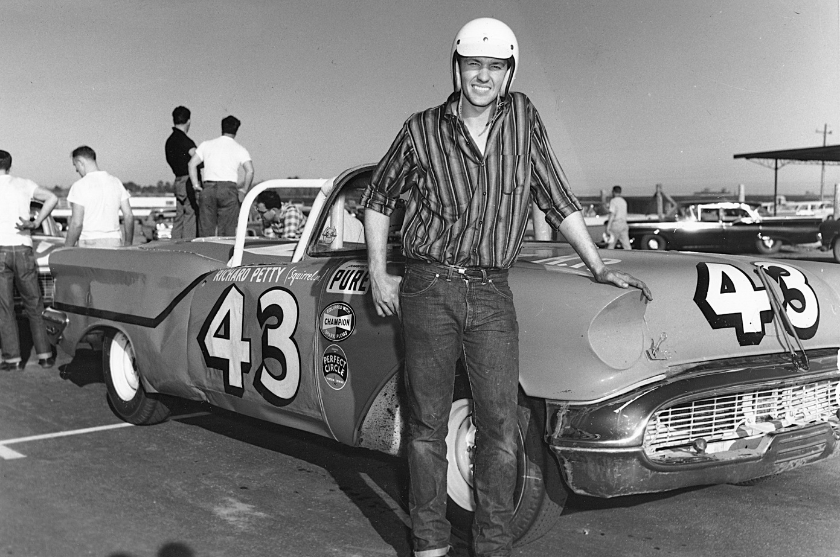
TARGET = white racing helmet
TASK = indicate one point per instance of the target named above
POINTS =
(486, 37)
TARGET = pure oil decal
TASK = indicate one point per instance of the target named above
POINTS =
(338, 321)
(351, 277)
(336, 370)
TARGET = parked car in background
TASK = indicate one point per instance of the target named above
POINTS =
(830, 234)
(731, 227)
(729, 375)
(822, 209)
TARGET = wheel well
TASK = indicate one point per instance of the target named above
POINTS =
(96, 337)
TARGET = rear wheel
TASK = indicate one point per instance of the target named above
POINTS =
(536, 512)
(653, 242)
(125, 389)
(768, 245)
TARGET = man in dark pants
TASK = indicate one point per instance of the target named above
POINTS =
(469, 169)
(220, 197)
(17, 265)
(179, 149)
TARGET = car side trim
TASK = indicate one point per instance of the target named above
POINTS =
(148, 322)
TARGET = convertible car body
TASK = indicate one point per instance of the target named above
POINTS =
(729, 375)
(729, 227)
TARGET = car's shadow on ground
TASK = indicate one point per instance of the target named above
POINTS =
(348, 466)
(85, 368)
(382, 503)
(351, 468)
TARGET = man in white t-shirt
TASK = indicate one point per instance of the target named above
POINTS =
(96, 201)
(617, 227)
(17, 265)
(218, 203)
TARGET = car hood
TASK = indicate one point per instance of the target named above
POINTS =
(584, 341)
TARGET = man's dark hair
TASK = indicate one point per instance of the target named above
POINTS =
(84, 152)
(5, 160)
(270, 198)
(617, 189)
(230, 125)
(180, 115)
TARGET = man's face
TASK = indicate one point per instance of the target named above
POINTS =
(77, 165)
(482, 78)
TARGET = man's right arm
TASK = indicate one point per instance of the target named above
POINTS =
(49, 201)
(384, 287)
(128, 223)
(611, 216)
(74, 228)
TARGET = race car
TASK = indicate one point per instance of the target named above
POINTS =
(729, 375)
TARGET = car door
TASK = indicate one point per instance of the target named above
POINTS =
(356, 352)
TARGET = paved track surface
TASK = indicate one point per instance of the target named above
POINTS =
(209, 483)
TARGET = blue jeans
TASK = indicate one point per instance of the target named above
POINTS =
(18, 268)
(448, 315)
(185, 225)
(218, 205)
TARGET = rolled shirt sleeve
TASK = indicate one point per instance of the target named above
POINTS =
(549, 184)
(392, 176)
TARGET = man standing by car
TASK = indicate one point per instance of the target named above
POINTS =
(220, 192)
(95, 202)
(179, 149)
(469, 168)
(617, 227)
(17, 264)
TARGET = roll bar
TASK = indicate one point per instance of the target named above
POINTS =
(326, 186)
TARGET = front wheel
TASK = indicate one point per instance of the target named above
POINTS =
(125, 390)
(653, 243)
(535, 511)
(768, 245)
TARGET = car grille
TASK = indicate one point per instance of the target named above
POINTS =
(47, 284)
(731, 417)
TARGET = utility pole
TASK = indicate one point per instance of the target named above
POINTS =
(825, 132)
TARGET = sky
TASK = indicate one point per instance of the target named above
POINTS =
(633, 92)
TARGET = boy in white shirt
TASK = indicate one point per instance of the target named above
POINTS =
(17, 265)
(96, 201)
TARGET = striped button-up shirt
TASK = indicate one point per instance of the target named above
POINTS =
(464, 208)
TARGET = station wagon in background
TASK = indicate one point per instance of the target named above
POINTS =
(730, 374)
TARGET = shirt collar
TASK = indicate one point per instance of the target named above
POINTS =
(450, 106)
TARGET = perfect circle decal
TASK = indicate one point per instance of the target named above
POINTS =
(336, 371)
